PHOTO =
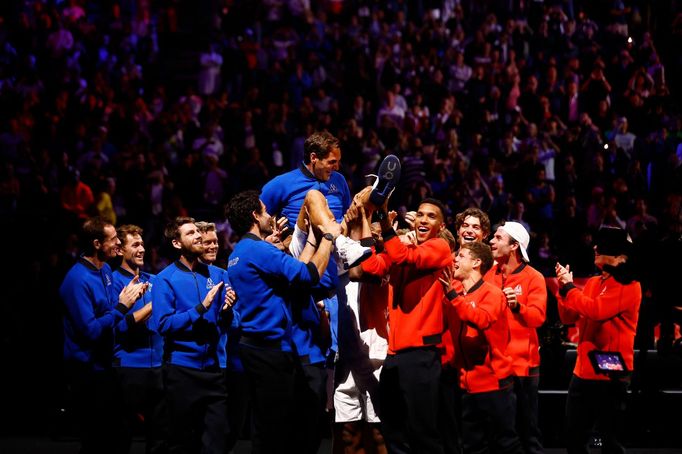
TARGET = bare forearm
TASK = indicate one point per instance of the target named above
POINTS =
(143, 314)
(321, 257)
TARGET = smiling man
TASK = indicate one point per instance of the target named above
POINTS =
(137, 348)
(410, 379)
(481, 336)
(192, 311)
(472, 225)
(526, 296)
(92, 309)
(209, 241)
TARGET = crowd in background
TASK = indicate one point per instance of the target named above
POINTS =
(563, 115)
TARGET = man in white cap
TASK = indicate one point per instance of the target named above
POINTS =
(526, 293)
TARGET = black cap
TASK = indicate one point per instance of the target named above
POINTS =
(613, 241)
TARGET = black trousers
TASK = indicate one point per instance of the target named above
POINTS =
(273, 377)
(141, 391)
(98, 412)
(409, 390)
(488, 420)
(311, 405)
(526, 391)
(590, 402)
(238, 401)
(197, 408)
(449, 413)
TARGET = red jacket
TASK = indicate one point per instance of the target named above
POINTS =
(531, 293)
(415, 312)
(606, 314)
(480, 332)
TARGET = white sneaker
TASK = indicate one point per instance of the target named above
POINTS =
(351, 252)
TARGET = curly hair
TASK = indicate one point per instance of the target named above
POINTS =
(239, 211)
(476, 213)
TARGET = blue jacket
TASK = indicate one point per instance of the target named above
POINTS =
(306, 330)
(284, 195)
(91, 311)
(191, 334)
(262, 277)
(135, 344)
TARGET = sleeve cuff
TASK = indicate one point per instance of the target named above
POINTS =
(452, 294)
(130, 321)
(367, 242)
(388, 234)
(314, 275)
(563, 291)
(201, 309)
(122, 308)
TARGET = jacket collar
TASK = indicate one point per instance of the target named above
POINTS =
(251, 236)
(199, 268)
(302, 167)
(476, 286)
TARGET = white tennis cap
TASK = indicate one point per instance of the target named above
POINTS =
(519, 233)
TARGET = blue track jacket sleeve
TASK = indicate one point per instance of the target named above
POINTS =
(166, 319)
(78, 299)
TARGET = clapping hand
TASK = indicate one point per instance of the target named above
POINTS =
(563, 274)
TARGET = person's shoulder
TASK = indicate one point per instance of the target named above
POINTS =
(338, 179)
(532, 272)
(282, 178)
(492, 289)
(168, 271)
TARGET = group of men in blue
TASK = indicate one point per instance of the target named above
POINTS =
(168, 363)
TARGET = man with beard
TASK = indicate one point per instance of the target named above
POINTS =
(138, 349)
(92, 309)
(191, 311)
(265, 278)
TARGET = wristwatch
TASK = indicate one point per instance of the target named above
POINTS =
(328, 236)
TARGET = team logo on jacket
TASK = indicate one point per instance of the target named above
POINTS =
(233, 262)
(518, 290)
(472, 304)
(333, 188)
(107, 279)
(209, 283)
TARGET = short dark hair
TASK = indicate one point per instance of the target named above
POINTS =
(127, 229)
(481, 251)
(436, 202)
(91, 230)
(477, 213)
(239, 211)
(320, 143)
(172, 231)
